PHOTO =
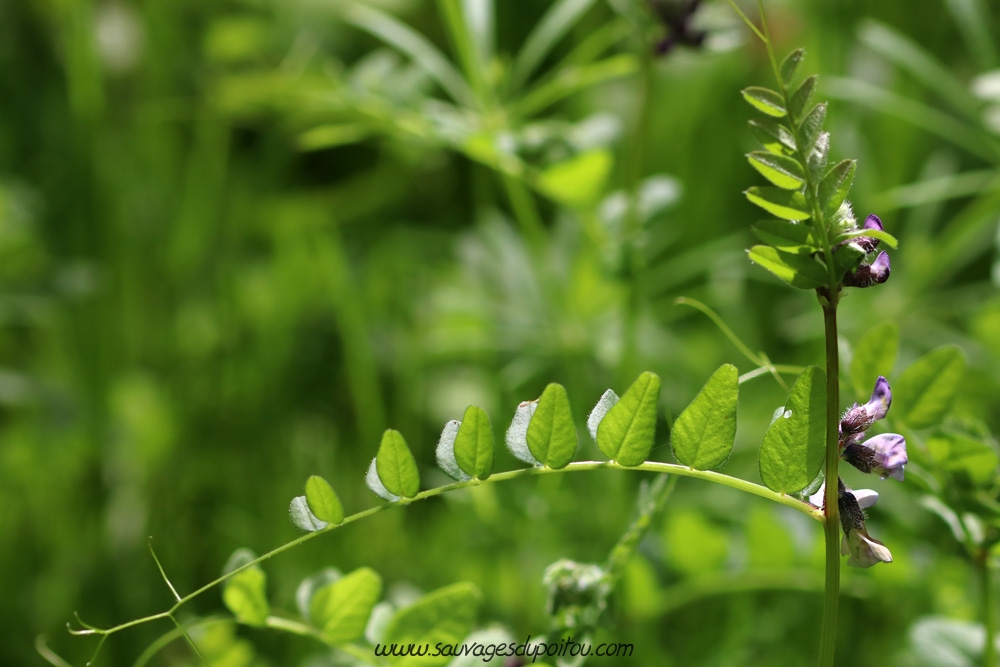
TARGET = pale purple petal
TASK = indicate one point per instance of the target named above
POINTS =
(864, 551)
(890, 452)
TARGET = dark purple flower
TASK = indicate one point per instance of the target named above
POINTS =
(867, 275)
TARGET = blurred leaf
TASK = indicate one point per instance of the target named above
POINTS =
(704, 433)
(801, 98)
(413, 44)
(445, 616)
(573, 79)
(557, 21)
(308, 587)
(835, 185)
(965, 457)
(332, 134)
(578, 182)
(693, 544)
(302, 516)
(340, 609)
(874, 355)
(323, 500)
(551, 434)
(783, 171)
(879, 234)
(924, 392)
(244, 593)
(969, 137)
(769, 542)
(794, 446)
(790, 66)
(765, 100)
(800, 271)
(774, 136)
(781, 203)
(945, 642)
(474, 443)
(396, 467)
(626, 433)
(920, 63)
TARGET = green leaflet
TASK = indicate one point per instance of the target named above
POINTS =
(794, 446)
(244, 593)
(846, 258)
(810, 130)
(323, 500)
(444, 616)
(801, 98)
(874, 355)
(703, 435)
(765, 100)
(395, 466)
(773, 136)
(626, 433)
(551, 434)
(786, 235)
(780, 203)
(781, 170)
(835, 185)
(800, 271)
(474, 443)
(340, 609)
(923, 393)
(790, 66)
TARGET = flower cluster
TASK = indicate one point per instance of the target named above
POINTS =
(875, 273)
(884, 455)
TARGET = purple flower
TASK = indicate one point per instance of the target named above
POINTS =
(859, 418)
(863, 549)
(867, 275)
(884, 455)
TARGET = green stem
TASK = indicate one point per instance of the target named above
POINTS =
(649, 466)
(649, 504)
(831, 526)
(525, 211)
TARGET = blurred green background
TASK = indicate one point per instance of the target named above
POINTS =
(239, 239)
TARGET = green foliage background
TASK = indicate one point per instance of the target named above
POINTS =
(204, 299)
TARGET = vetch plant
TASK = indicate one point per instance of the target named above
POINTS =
(812, 242)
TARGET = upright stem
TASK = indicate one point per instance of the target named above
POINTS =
(831, 527)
